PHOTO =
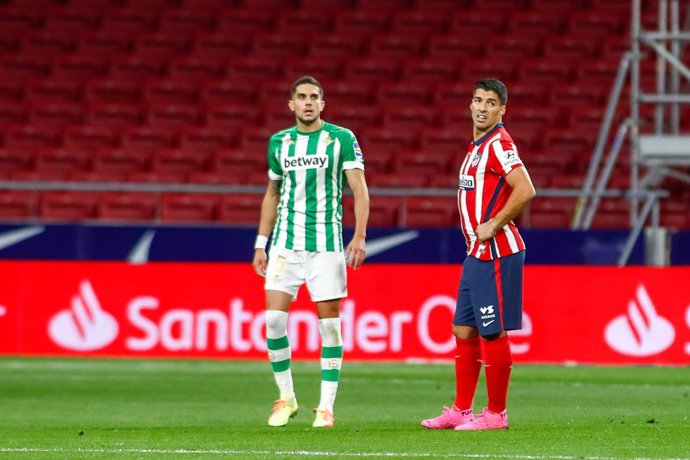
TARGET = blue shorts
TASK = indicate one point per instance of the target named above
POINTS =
(490, 294)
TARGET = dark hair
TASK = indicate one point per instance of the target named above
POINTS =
(496, 86)
(305, 79)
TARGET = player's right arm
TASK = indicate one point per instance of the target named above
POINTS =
(269, 213)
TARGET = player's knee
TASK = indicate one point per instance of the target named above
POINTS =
(276, 322)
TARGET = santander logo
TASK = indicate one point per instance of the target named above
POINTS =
(642, 332)
(85, 326)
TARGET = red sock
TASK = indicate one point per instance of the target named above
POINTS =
(498, 362)
(467, 366)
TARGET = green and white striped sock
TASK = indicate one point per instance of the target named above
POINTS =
(331, 361)
(279, 352)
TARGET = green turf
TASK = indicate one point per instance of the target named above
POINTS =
(62, 408)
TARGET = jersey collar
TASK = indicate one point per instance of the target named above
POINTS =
(487, 135)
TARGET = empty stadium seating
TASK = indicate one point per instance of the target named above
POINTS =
(191, 90)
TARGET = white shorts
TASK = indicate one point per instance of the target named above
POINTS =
(324, 273)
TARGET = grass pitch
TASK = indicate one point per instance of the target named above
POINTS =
(163, 409)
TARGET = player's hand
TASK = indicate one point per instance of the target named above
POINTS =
(259, 262)
(356, 252)
(486, 230)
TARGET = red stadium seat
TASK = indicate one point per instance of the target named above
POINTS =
(342, 92)
(371, 68)
(68, 206)
(195, 68)
(145, 138)
(186, 21)
(238, 163)
(129, 20)
(88, 137)
(394, 45)
(230, 116)
(441, 141)
(352, 117)
(161, 45)
(114, 115)
(135, 68)
(204, 139)
(55, 115)
(229, 91)
(386, 140)
(403, 179)
(420, 21)
(571, 48)
(327, 69)
(23, 67)
(29, 137)
(336, 46)
(409, 117)
(246, 20)
(277, 44)
(413, 93)
(384, 211)
(537, 70)
(254, 68)
(535, 23)
(430, 69)
(60, 20)
(431, 211)
(421, 162)
(53, 90)
(121, 161)
(18, 205)
(455, 46)
(473, 23)
(240, 209)
(222, 46)
(303, 21)
(128, 207)
(189, 207)
(15, 159)
(601, 25)
(112, 90)
(173, 116)
(49, 43)
(79, 67)
(179, 161)
(363, 21)
(63, 160)
(568, 95)
(105, 43)
(13, 113)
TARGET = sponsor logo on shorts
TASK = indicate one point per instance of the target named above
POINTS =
(305, 162)
(488, 315)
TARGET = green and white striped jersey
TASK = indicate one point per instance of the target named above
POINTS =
(311, 167)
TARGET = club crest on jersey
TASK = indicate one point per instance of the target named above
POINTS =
(328, 140)
(305, 162)
(288, 141)
(475, 160)
(465, 182)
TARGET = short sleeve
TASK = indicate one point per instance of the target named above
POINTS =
(506, 155)
(351, 152)
(275, 170)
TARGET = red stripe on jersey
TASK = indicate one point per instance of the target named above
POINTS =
(483, 191)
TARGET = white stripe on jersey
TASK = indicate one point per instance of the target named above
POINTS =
(479, 185)
(300, 201)
(282, 218)
(321, 194)
(335, 196)
(463, 203)
(511, 238)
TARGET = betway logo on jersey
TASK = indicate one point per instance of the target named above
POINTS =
(642, 331)
(305, 162)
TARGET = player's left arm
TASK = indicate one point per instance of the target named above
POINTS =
(356, 251)
(521, 194)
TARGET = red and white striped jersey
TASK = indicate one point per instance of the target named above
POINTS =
(483, 191)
